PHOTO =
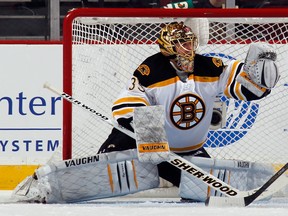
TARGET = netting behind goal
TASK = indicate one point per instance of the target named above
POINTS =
(102, 48)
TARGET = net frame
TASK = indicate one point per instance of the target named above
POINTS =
(113, 12)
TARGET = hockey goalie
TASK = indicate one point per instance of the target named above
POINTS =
(168, 106)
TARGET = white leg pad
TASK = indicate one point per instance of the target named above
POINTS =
(242, 179)
(192, 188)
(89, 181)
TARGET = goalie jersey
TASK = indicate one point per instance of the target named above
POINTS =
(187, 98)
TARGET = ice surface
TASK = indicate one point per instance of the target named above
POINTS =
(132, 206)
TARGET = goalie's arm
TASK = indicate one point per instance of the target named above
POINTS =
(133, 96)
(239, 86)
(253, 79)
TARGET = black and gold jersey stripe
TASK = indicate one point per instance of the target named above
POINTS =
(125, 105)
(157, 71)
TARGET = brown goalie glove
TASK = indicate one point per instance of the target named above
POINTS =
(260, 70)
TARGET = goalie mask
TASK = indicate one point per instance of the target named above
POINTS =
(177, 41)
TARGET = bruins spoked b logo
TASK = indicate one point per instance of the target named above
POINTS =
(187, 111)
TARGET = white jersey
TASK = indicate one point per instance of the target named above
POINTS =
(187, 98)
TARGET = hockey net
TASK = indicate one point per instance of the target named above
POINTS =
(102, 48)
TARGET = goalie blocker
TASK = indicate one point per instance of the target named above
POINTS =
(150, 135)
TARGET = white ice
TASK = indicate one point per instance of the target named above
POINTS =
(132, 206)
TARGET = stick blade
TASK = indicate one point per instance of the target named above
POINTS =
(225, 202)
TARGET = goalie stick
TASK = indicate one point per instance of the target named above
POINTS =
(195, 171)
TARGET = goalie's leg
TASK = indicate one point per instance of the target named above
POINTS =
(117, 141)
(173, 174)
(102, 176)
(244, 179)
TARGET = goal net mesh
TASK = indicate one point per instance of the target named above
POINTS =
(107, 50)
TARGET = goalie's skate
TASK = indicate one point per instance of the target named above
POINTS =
(31, 190)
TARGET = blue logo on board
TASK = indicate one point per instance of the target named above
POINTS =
(240, 117)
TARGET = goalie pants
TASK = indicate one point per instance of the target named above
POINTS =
(118, 141)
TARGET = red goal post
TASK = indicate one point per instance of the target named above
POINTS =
(102, 48)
